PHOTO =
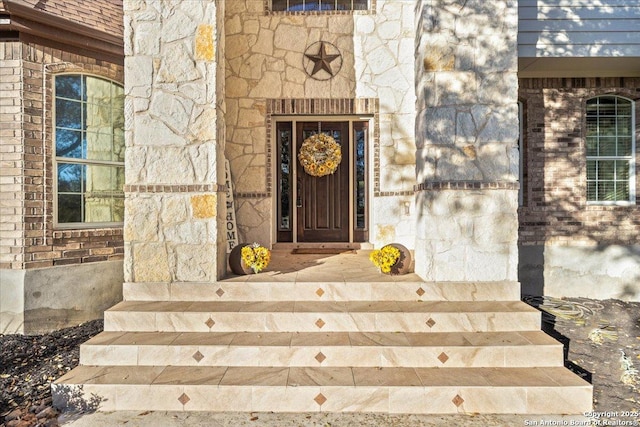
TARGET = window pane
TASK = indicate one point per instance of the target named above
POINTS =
(609, 135)
(118, 145)
(91, 128)
(607, 147)
(98, 116)
(591, 169)
(69, 143)
(622, 170)
(592, 146)
(607, 106)
(624, 146)
(103, 193)
(592, 127)
(69, 208)
(285, 179)
(318, 5)
(360, 4)
(591, 191)
(312, 5)
(607, 126)
(296, 5)
(360, 184)
(68, 114)
(101, 179)
(624, 126)
(279, 5)
(622, 190)
(69, 87)
(606, 191)
(606, 169)
(327, 5)
(624, 107)
(99, 146)
(70, 178)
(592, 108)
(98, 91)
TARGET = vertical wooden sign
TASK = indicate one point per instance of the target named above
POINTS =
(232, 230)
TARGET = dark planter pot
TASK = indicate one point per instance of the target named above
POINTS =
(238, 266)
(403, 265)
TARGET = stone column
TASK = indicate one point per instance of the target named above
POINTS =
(174, 192)
(466, 140)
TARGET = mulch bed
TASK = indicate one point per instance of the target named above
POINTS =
(29, 364)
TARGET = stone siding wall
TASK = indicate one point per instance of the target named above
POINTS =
(555, 205)
(30, 240)
(264, 63)
(174, 192)
(467, 154)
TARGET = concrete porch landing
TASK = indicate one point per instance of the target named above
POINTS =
(324, 333)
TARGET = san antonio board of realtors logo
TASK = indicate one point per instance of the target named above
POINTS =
(322, 60)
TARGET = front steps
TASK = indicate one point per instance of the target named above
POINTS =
(392, 347)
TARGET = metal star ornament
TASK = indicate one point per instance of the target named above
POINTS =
(323, 69)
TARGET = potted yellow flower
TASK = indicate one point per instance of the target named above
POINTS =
(249, 258)
(393, 259)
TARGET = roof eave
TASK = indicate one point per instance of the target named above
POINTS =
(24, 18)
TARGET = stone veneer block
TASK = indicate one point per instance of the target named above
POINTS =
(205, 49)
(204, 206)
(469, 236)
(150, 262)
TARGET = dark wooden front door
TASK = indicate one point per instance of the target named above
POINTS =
(322, 203)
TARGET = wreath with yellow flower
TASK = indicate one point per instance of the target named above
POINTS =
(320, 155)
(255, 256)
(385, 258)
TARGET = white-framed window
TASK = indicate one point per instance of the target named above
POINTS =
(89, 151)
(318, 5)
(611, 148)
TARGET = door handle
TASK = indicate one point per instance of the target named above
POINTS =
(299, 193)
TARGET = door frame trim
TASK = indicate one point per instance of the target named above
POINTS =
(350, 118)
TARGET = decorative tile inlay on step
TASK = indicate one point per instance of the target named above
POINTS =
(210, 323)
(320, 357)
(458, 400)
(320, 292)
(220, 292)
(431, 322)
(198, 356)
(443, 357)
(320, 399)
(184, 399)
(420, 292)
(320, 323)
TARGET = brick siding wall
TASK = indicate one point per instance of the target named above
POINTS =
(31, 241)
(11, 156)
(555, 205)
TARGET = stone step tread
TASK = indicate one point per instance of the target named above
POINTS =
(238, 289)
(324, 376)
(382, 279)
(318, 339)
(552, 390)
(324, 306)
